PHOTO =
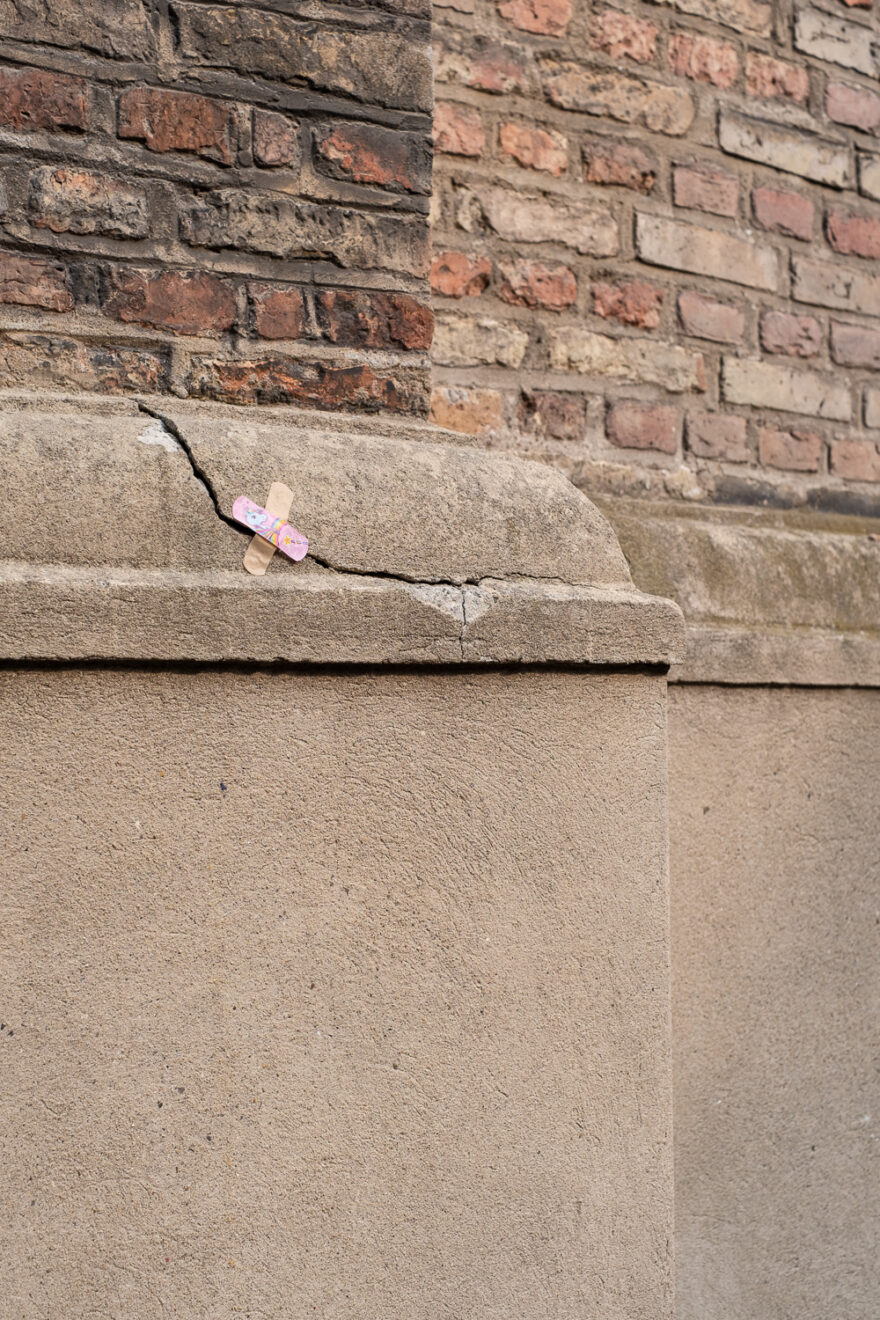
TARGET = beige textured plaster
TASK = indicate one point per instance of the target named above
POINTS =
(775, 859)
(117, 545)
(339, 995)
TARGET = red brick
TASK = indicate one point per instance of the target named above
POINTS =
(187, 302)
(532, 284)
(177, 121)
(636, 303)
(490, 66)
(643, 426)
(534, 148)
(552, 415)
(855, 460)
(550, 18)
(707, 318)
(311, 384)
(854, 235)
(468, 411)
(279, 311)
(794, 451)
(623, 36)
(458, 130)
(714, 435)
(275, 139)
(457, 275)
(608, 162)
(704, 59)
(855, 346)
(370, 154)
(33, 99)
(705, 190)
(770, 78)
(854, 106)
(796, 336)
(34, 282)
(368, 319)
(498, 69)
(783, 212)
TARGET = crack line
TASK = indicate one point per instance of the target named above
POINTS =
(205, 481)
(198, 471)
(202, 477)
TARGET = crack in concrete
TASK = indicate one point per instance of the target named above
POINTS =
(202, 477)
(198, 471)
(205, 481)
(460, 603)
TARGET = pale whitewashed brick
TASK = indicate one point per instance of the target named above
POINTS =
(786, 149)
(784, 389)
(700, 251)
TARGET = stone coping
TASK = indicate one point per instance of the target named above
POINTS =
(769, 596)
(118, 544)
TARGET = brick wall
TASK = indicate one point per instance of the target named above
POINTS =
(656, 235)
(227, 201)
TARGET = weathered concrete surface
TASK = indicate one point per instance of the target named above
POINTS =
(337, 994)
(111, 489)
(775, 859)
(116, 546)
(432, 512)
(570, 624)
(768, 596)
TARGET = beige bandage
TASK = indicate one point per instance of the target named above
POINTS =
(259, 552)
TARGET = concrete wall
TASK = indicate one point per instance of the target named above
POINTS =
(775, 863)
(338, 994)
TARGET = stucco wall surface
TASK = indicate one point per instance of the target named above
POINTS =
(339, 994)
(775, 858)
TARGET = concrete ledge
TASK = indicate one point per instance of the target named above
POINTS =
(61, 612)
(420, 510)
(118, 545)
(751, 656)
(768, 597)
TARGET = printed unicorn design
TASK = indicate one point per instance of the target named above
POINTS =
(274, 530)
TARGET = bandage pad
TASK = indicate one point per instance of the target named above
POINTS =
(259, 553)
(273, 531)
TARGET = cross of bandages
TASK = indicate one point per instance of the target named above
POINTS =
(271, 530)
